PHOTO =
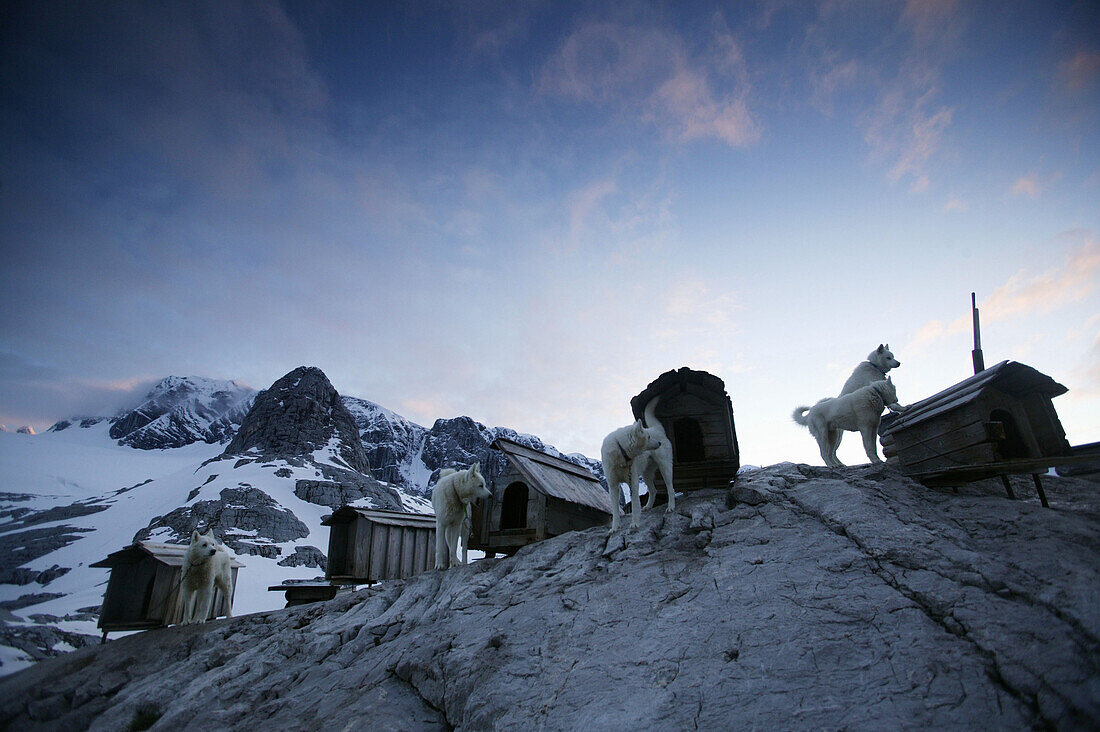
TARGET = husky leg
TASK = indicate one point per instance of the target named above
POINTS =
(635, 505)
(869, 432)
(651, 497)
(452, 544)
(667, 478)
(614, 491)
(440, 546)
(225, 585)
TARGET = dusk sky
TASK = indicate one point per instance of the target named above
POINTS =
(526, 211)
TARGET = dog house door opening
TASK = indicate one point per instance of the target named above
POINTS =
(689, 441)
(1013, 445)
(513, 509)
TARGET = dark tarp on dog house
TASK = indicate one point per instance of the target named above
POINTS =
(535, 497)
(697, 415)
(143, 589)
(367, 545)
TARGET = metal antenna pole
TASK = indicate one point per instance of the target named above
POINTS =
(976, 354)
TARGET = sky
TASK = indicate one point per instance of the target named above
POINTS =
(526, 211)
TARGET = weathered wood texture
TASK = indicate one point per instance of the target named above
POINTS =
(996, 418)
(560, 497)
(367, 545)
(697, 415)
(143, 588)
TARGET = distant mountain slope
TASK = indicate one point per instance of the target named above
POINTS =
(179, 411)
(78, 492)
(409, 455)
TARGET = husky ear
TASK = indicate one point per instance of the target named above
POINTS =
(476, 468)
(887, 346)
(881, 348)
(195, 535)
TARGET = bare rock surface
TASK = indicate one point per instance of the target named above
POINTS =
(806, 598)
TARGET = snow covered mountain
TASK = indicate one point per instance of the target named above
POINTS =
(410, 456)
(179, 411)
(260, 468)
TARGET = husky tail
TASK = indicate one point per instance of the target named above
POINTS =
(799, 416)
(651, 420)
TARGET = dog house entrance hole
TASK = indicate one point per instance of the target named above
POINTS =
(1013, 445)
(689, 441)
(513, 509)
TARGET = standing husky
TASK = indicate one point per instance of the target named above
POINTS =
(454, 493)
(205, 565)
(618, 453)
(857, 411)
(878, 362)
(659, 458)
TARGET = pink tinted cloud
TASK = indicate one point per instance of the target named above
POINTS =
(1023, 293)
(649, 71)
(1027, 185)
(1026, 293)
(1081, 70)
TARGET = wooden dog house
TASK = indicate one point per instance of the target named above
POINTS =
(998, 422)
(697, 415)
(143, 589)
(368, 545)
(535, 497)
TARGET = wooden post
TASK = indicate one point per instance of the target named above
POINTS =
(1039, 490)
(976, 354)
(1008, 487)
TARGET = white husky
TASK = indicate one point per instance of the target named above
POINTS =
(454, 493)
(659, 458)
(205, 565)
(858, 411)
(618, 454)
(878, 362)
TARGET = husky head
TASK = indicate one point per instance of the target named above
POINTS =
(641, 439)
(885, 389)
(203, 546)
(883, 359)
(471, 486)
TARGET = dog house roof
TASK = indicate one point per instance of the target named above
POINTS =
(554, 476)
(1010, 377)
(345, 514)
(677, 378)
(171, 554)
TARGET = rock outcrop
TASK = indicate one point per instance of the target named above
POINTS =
(299, 415)
(245, 518)
(808, 598)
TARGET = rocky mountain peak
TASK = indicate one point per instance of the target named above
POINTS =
(180, 410)
(301, 413)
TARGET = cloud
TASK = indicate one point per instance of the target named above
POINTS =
(1027, 185)
(955, 204)
(1081, 70)
(649, 72)
(1026, 293)
(1023, 293)
(828, 77)
(1033, 184)
(906, 126)
(582, 203)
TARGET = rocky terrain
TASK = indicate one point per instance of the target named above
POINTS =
(805, 598)
(260, 468)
